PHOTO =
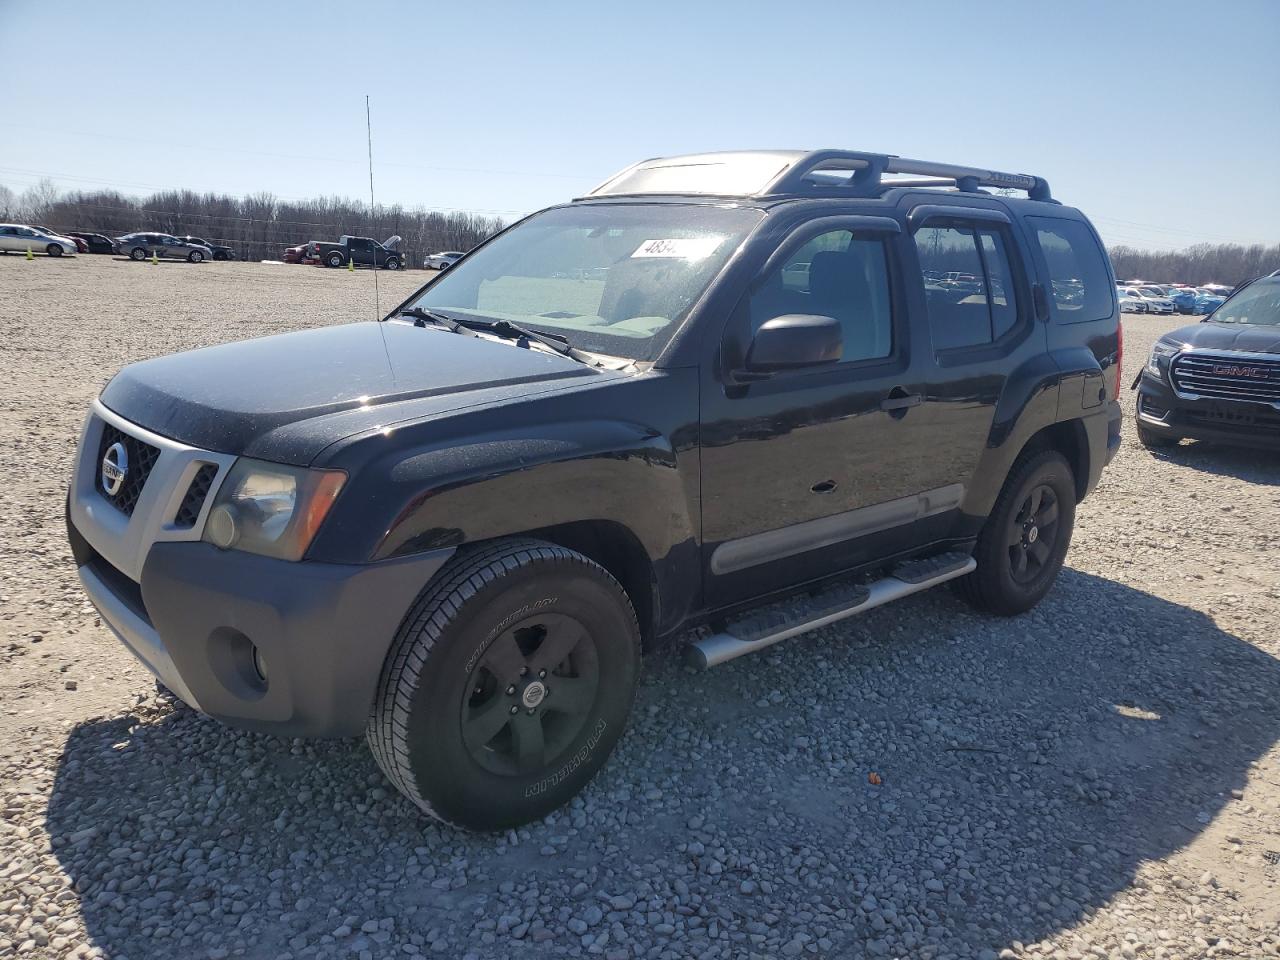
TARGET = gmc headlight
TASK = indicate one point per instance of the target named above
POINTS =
(1161, 351)
(271, 509)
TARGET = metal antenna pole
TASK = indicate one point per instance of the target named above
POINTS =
(368, 126)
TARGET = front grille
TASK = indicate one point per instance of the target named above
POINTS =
(142, 457)
(128, 592)
(1227, 376)
(194, 499)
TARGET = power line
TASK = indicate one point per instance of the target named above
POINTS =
(377, 300)
(28, 173)
(304, 156)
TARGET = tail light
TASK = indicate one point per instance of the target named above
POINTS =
(1119, 357)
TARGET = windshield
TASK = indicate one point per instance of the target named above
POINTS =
(614, 278)
(1257, 303)
(1153, 291)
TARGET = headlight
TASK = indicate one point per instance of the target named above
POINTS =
(1161, 351)
(271, 509)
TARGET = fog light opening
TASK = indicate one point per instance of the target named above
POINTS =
(238, 663)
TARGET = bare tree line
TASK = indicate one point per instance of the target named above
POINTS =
(260, 226)
(1225, 263)
(257, 227)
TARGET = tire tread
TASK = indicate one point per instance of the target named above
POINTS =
(466, 574)
(980, 591)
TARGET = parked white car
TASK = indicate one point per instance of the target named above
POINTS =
(1131, 301)
(19, 238)
(1157, 301)
(443, 260)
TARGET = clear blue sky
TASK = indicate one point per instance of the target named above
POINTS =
(1159, 119)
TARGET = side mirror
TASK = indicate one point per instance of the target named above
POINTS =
(794, 341)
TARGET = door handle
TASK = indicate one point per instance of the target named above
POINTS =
(901, 402)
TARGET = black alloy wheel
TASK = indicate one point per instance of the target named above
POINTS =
(530, 695)
(1025, 540)
(1032, 534)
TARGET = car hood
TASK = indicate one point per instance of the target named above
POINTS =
(285, 398)
(1242, 337)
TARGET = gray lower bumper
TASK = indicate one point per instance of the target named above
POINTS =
(208, 623)
(135, 633)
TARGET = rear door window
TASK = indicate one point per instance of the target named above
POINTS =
(968, 283)
(1078, 274)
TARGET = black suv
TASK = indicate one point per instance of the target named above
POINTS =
(220, 250)
(96, 242)
(1219, 379)
(726, 398)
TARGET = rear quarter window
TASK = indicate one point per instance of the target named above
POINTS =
(1081, 286)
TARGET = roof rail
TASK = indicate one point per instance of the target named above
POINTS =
(791, 172)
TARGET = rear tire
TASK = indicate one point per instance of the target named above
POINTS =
(1024, 542)
(138, 254)
(460, 730)
(1155, 441)
(334, 259)
(195, 256)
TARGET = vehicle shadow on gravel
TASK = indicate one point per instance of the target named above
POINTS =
(1029, 767)
(1254, 466)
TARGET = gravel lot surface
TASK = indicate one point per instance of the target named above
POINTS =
(1099, 778)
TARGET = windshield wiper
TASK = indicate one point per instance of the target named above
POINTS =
(499, 328)
(421, 317)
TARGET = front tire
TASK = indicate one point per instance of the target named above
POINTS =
(138, 254)
(392, 263)
(53, 250)
(507, 686)
(1024, 542)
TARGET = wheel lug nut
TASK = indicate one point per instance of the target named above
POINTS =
(524, 671)
(514, 710)
(511, 690)
(542, 674)
(531, 711)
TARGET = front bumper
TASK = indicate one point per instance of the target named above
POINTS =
(199, 614)
(1162, 412)
(196, 615)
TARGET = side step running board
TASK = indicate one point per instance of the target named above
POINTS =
(764, 628)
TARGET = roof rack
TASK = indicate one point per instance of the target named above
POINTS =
(778, 173)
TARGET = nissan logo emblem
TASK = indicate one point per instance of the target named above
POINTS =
(115, 467)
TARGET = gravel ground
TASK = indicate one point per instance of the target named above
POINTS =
(1098, 778)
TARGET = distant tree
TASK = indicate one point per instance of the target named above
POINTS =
(36, 202)
(1225, 263)
(258, 227)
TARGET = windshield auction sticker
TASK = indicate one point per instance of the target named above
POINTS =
(683, 248)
